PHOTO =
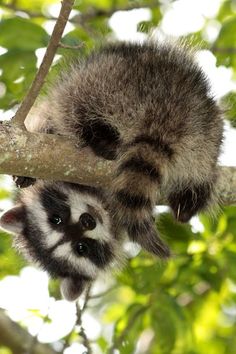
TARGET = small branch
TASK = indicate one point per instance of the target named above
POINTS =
(226, 50)
(46, 63)
(104, 293)
(96, 12)
(78, 323)
(124, 334)
(79, 312)
(91, 13)
(30, 13)
(75, 47)
(13, 336)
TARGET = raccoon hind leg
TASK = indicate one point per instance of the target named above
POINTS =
(101, 137)
(188, 201)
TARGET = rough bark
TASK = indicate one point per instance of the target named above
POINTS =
(49, 156)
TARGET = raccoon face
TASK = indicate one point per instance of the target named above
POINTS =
(66, 230)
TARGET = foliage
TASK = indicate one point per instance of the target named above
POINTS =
(186, 305)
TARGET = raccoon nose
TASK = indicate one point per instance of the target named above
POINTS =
(74, 231)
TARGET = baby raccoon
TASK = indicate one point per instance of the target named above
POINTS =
(149, 107)
(66, 229)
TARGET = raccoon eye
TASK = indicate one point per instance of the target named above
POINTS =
(55, 219)
(82, 249)
(87, 221)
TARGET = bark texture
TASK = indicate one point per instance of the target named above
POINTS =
(53, 157)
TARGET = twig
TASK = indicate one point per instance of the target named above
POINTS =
(30, 13)
(96, 12)
(104, 293)
(67, 46)
(45, 65)
(79, 312)
(91, 13)
(132, 319)
(226, 50)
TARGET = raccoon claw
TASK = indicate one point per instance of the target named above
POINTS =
(23, 182)
(183, 216)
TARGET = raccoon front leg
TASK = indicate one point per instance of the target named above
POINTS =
(134, 192)
(187, 201)
(23, 182)
(101, 137)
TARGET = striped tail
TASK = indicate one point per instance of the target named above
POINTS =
(135, 191)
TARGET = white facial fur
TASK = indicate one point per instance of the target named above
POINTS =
(86, 267)
(79, 203)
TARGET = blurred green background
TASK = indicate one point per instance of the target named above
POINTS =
(186, 305)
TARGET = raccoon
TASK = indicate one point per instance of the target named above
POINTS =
(149, 107)
(66, 229)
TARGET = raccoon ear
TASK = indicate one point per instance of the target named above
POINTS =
(12, 220)
(146, 236)
(72, 288)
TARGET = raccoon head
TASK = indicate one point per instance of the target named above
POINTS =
(66, 229)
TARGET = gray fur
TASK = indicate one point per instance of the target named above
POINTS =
(165, 129)
(150, 107)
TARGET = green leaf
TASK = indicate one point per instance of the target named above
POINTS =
(226, 40)
(18, 70)
(229, 101)
(10, 261)
(226, 11)
(16, 63)
(101, 341)
(75, 38)
(176, 234)
(35, 5)
(145, 26)
(19, 33)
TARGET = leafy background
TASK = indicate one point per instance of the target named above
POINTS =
(186, 305)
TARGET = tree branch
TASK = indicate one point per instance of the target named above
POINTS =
(224, 50)
(48, 156)
(117, 342)
(34, 90)
(92, 12)
(19, 340)
(79, 313)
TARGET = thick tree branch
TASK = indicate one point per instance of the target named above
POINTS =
(19, 340)
(49, 156)
(34, 90)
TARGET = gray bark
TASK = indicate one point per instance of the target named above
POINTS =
(54, 157)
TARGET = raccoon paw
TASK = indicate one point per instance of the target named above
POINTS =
(186, 203)
(23, 182)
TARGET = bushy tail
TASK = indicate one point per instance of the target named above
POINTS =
(135, 192)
